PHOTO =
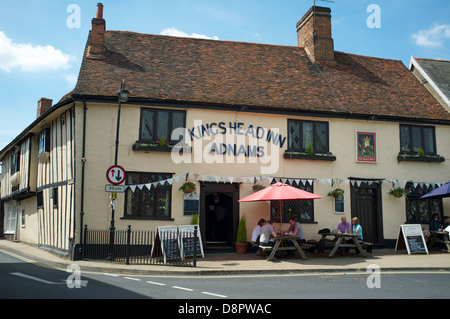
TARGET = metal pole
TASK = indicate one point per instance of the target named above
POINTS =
(195, 246)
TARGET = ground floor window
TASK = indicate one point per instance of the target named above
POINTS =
(153, 203)
(419, 211)
(301, 210)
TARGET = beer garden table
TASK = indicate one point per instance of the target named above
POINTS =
(342, 243)
(279, 247)
(434, 239)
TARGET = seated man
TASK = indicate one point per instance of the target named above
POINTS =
(343, 227)
(297, 231)
(267, 233)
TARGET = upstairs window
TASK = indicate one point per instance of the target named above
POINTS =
(157, 123)
(15, 162)
(305, 134)
(44, 141)
(413, 138)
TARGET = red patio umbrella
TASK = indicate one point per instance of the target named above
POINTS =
(279, 192)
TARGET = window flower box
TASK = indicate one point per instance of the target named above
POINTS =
(317, 157)
(420, 158)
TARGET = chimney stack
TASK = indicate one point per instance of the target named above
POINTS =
(97, 48)
(314, 34)
(44, 105)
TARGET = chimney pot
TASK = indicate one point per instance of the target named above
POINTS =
(99, 11)
(44, 105)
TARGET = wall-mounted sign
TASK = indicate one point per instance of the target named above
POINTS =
(366, 147)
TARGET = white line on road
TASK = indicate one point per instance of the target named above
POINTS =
(182, 288)
(155, 283)
(131, 278)
(214, 295)
(34, 278)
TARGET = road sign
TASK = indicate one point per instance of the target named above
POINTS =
(115, 188)
(115, 175)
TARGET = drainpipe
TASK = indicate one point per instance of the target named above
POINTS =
(83, 161)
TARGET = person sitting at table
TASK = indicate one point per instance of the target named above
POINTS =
(296, 231)
(268, 234)
(357, 230)
(435, 224)
(257, 230)
(343, 227)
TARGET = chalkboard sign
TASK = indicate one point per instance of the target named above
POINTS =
(187, 241)
(170, 245)
(411, 238)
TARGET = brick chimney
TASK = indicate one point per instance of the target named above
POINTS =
(314, 34)
(44, 105)
(97, 48)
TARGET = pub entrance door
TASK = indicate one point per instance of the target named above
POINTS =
(219, 214)
(366, 205)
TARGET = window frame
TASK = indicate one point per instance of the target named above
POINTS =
(413, 198)
(154, 192)
(422, 128)
(274, 206)
(44, 141)
(170, 128)
(315, 140)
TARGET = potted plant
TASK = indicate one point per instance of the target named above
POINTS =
(397, 192)
(241, 238)
(194, 220)
(337, 193)
(187, 187)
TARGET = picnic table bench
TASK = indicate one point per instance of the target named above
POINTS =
(278, 247)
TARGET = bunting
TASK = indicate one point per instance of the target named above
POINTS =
(333, 182)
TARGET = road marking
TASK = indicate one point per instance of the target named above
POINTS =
(182, 288)
(155, 283)
(131, 278)
(35, 278)
(214, 295)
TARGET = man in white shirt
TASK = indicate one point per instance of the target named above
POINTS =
(266, 231)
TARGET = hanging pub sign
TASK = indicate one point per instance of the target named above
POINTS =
(366, 147)
(411, 238)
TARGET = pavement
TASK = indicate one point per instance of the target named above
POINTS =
(230, 263)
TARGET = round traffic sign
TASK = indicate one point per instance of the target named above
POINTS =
(115, 175)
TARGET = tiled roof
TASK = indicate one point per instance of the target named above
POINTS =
(439, 72)
(237, 73)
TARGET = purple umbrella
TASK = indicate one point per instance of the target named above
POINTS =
(443, 191)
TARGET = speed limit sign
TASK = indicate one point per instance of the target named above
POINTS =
(115, 175)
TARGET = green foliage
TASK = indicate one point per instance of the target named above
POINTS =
(242, 231)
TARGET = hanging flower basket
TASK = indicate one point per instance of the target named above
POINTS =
(397, 192)
(187, 187)
(337, 193)
(257, 187)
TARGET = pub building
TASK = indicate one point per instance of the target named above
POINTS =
(226, 116)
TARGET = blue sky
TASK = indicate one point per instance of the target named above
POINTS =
(42, 41)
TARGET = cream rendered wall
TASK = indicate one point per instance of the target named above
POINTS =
(101, 124)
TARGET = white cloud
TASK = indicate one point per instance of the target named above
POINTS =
(177, 33)
(30, 58)
(432, 37)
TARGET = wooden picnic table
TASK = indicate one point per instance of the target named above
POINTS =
(342, 243)
(279, 247)
(434, 239)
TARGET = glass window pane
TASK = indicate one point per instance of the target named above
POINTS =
(294, 135)
(177, 122)
(162, 125)
(428, 136)
(147, 126)
(416, 138)
(321, 138)
(405, 143)
(307, 135)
